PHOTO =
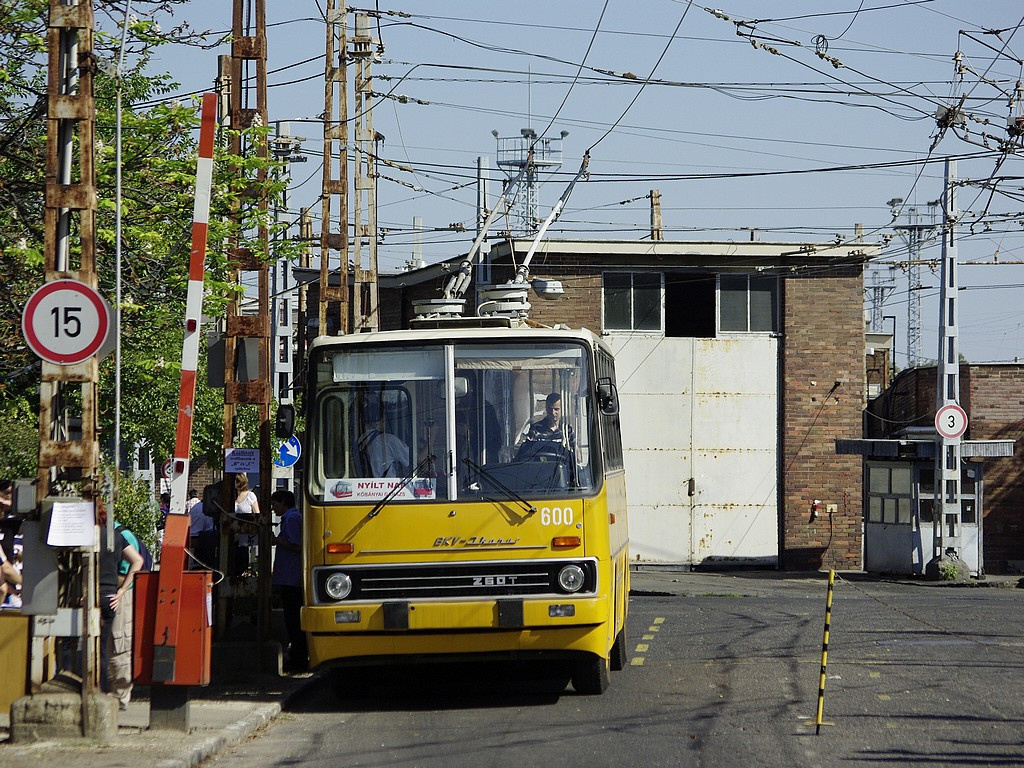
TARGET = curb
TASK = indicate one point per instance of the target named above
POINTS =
(234, 733)
(231, 735)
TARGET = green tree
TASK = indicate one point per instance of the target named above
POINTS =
(136, 509)
(159, 147)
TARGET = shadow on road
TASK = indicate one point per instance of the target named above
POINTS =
(439, 686)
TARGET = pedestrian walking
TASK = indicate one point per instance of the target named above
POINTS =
(286, 577)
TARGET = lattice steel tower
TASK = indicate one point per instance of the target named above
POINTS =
(534, 154)
(916, 234)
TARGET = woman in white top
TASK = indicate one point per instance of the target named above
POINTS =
(246, 504)
(246, 508)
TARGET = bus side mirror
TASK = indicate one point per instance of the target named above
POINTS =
(284, 423)
(607, 396)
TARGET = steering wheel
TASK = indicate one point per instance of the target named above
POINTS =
(543, 450)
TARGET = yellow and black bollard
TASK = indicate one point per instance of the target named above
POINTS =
(824, 652)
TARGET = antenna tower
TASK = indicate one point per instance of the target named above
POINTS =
(915, 235)
(533, 154)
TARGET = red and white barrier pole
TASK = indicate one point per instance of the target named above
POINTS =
(193, 306)
(172, 558)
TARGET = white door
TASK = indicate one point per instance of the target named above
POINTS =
(700, 443)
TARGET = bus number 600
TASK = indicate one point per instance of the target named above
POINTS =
(556, 515)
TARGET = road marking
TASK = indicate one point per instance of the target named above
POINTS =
(638, 659)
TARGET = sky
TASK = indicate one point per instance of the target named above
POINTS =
(788, 122)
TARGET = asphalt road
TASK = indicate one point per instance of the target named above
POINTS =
(723, 674)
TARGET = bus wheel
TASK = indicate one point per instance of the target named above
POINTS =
(620, 652)
(590, 675)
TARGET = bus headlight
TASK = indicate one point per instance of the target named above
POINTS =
(570, 578)
(338, 586)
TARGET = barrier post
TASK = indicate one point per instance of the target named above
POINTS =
(824, 652)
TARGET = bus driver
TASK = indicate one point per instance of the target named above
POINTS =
(551, 427)
(383, 454)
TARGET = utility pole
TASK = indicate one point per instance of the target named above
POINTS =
(247, 336)
(67, 454)
(302, 335)
(950, 420)
(285, 149)
(657, 231)
(365, 314)
(483, 259)
(335, 178)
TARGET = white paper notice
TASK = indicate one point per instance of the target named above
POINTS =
(72, 524)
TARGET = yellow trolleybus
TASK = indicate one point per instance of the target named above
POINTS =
(465, 499)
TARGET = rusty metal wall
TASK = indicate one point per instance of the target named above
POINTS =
(700, 439)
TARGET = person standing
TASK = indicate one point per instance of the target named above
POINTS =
(10, 576)
(286, 577)
(202, 534)
(247, 509)
(122, 631)
(113, 587)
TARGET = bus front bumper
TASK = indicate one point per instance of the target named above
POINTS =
(349, 630)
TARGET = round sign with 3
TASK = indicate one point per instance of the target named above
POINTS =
(951, 421)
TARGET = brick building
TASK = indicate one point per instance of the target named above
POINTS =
(739, 364)
(992, 394)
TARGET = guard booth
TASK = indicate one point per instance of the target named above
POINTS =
(899, 501)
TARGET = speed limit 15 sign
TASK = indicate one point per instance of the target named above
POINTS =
(66, 322)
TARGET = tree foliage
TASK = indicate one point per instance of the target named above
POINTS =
(159, 147)
(136, 509)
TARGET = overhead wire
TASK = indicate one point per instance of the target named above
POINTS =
(579, 71)
(579, 79)
(629, 106)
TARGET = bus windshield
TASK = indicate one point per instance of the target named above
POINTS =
(451, 421)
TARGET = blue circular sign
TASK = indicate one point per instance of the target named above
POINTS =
(289, 452)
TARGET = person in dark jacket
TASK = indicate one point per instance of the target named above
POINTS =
(287, 576)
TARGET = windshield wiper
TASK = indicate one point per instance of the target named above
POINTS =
(425, 462)
(527, 506)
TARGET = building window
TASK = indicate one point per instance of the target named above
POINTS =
(690, 304)
(747, 303)
(632, 301)
(889, 494)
